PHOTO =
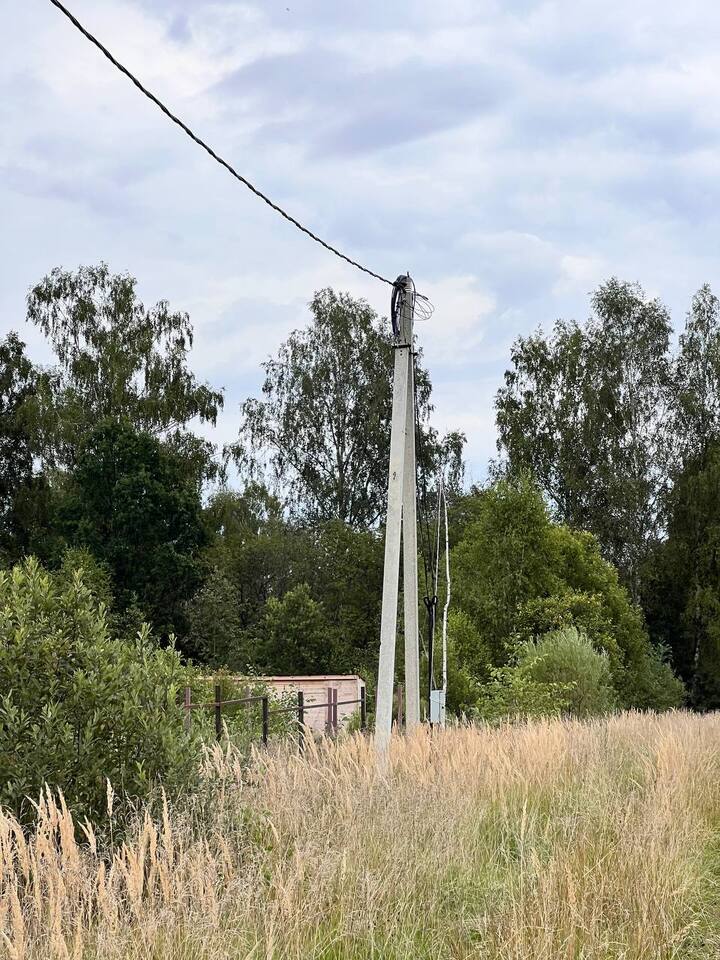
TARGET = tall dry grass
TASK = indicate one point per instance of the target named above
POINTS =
(548, 840)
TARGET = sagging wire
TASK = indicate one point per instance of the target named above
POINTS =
(174, 118)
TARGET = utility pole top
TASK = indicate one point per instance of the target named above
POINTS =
(402, 308)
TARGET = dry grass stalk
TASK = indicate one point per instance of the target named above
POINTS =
(546, 840)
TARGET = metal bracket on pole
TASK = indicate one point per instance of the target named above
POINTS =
(401, 525)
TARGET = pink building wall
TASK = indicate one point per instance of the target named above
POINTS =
(315, 691)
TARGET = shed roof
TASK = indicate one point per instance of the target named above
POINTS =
(318, 676)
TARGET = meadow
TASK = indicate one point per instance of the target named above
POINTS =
(551, 839)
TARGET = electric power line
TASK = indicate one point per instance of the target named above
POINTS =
(208, 149)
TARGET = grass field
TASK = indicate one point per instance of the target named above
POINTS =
(548, 840)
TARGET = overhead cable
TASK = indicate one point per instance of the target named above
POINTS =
(208, 149)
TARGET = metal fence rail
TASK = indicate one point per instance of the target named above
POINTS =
(299, 709)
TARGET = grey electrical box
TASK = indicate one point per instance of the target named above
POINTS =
(437, 707)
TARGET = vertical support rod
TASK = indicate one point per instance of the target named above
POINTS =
(363, 709)
(218, 712)
(335, 711)
(187, 719)
(265, 720)
(301, 720)
(447, 593)
(393, 528)
(431, 606)
(328, 710)
(409, 549)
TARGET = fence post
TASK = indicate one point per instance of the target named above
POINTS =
(328, 710)
(187, 720)
(265, 721)
(334, 700)
(363, 709)
(301, 720)
(218, 712)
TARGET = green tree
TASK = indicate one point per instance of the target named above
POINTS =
(18, 446)
(132, 504)
(324, 420)
(343, 570)
(257, 554)
(215, 633)
(697, 380)
(505, 557)
(116, 359)
(253, 547)
(85, 706)
(293, 635)
(519, 575)
(586, 411)
(682, 581)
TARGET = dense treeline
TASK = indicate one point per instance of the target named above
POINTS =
(622, 434)
(590, 552)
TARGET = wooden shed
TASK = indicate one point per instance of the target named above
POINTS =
(323, 688)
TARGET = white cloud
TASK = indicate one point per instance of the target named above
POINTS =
(458, 324)
(511, 156)
(579, 274)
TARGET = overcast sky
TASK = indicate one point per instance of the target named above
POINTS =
(510, 155)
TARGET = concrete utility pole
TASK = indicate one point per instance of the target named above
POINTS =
(401, 525)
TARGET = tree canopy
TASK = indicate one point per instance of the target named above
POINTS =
(585, 411)
(131, 503)
(682, 579)
(324, 420)
(604, 496)
(115, 358)
(17, 441)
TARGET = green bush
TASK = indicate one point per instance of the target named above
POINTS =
(587, 612)
(559, 673)
(468, 664)
(512, 695)
(78, 706)
(568, 657)
(658, 687)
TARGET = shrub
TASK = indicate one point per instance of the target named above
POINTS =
(559, 673)
(79, 706)
(658, 687)
(512, 694)
(568, 657)
(468, 664)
